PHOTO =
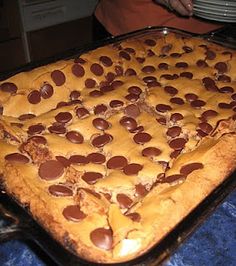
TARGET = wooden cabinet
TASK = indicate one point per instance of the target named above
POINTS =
(57, 39)
(11, 45)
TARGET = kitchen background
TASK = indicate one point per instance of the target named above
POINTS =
(32, 30)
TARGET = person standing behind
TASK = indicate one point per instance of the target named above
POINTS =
(122, 16)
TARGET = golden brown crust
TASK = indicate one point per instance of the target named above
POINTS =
(112, 150)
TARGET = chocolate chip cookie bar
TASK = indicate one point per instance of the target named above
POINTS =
(112, 149)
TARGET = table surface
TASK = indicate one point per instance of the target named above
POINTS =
(213, 243)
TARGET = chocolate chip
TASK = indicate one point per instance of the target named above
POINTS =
(117, 162)
(151, 152)
(209, 114)
(1, 110)
(78, 159)
(130, 72)
(51, 169)
(106, 61)
(132, 110)
(130, 50)
(189, 168)
(75, 137)
(162, 108)
(181, 65)
(78, 70)
(16, 158)
(209, 84)
(91, 177)
(137, 129)
(233, 96)
(100, 109)
(63, 117)
(188, 75)
(101, 140)
(100, 123)
(46, 91)
(149, 79)
(197, 103)
(35, 129)
(132, 168)
(132, 97)
(8, 87)
(124, 201)
(171, 90)
(80, 60)
(124, 55)
(175, 55)
(128, 122)
(110, 77)
(148, 69)
(202, 63)
(163, 66)
(150, 42)
(82, 112)
(90, 83)
(26, 117)
(57, 129)
(187, 49)
(117, 83)
(58, 77)
(73, 213)
(96, 93)
(96, 158)
(62, 104)
(200, 133)
(176, 117)
(205, 127)
(154, 84)
(169, 76)
(141, 138)
(119, 70)
(226, 89)
(134, 90)
(190, 97)
(172, 178)
(224, 78)
(173, 132)
(97, 69)
(106, 88)
(34, 97)
(116, 103)
(175, 154)
(210, 55)
(134, 216)
(141, 60)
(162, 121)
(38, 140)
(102, 238)
(60, 191)
(63, 160)
(178, 143)
(166, 48)
(224, 105)
(177, 100)
(140, 190)
(221, 67)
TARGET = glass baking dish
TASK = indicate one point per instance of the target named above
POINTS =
(20, 223)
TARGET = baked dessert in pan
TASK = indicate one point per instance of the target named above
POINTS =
(112, 149)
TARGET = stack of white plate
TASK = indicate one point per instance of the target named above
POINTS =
(217, 10)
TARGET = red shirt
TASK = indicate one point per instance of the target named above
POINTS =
(122, 16)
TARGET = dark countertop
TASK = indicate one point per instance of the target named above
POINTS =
(213, 243)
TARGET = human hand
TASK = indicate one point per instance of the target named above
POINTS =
(183, 7)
